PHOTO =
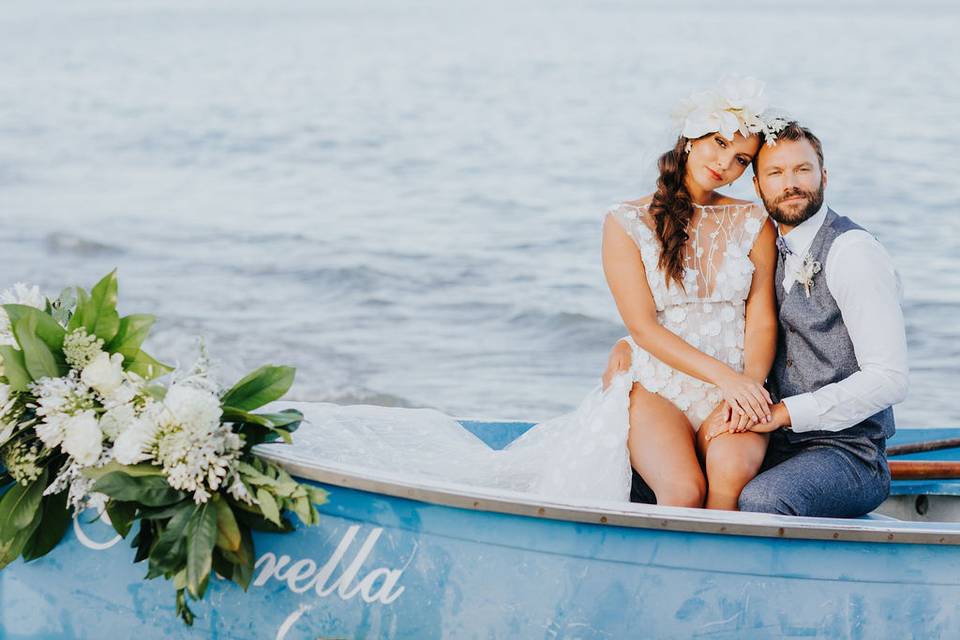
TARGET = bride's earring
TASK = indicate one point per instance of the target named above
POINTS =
(688, 146)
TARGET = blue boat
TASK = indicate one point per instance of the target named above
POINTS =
(400, 557)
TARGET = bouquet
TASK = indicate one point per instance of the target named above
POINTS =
(84, 423)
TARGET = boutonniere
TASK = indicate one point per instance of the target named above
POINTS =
(808, 269)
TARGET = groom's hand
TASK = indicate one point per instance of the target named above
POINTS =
(780, 417)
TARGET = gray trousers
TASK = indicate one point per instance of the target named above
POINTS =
(832, 476)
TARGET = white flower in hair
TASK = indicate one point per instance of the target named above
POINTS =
(736, 104)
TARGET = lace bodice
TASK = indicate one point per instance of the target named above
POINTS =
(708, 311)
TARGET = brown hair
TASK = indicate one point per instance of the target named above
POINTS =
(672, 209)
(793, 132)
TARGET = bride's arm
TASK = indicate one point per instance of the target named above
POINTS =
(760, 334)
(626, 277)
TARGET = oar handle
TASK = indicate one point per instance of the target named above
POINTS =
(926, 445)
(924, 469)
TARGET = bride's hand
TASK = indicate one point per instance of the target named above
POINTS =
(718, 422)
(746, 396)
(620, 359)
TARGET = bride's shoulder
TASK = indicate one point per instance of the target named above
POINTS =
(632, 208)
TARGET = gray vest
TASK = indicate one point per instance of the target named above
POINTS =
(813, 346)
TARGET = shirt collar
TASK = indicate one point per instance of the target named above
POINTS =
(801, 236)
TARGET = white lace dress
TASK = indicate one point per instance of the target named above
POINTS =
(580, 457)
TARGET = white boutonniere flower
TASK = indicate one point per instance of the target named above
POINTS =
(808, 269)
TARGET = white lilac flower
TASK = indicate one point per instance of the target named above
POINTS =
(82, 439)
(20, 459)
(77, 486)
(81, 348)
(104, 373)
(18, 294)
(197, 452)
(57, 400)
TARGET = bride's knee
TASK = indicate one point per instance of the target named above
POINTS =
(682, 494)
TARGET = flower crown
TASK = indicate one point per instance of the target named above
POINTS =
(735, 104)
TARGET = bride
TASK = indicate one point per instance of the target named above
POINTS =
(691, 271)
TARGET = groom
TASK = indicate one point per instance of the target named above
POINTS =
(841, 357)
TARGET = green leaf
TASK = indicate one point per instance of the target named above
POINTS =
(152, 491)
(54, 523)
(100, 317)
(121, 515)
(12, 547)
(228, 531)
(201, 537)
(133, 470)
(268, 505)
(20, 505)
(266, 384)
(15, 368)
(242, 559)
(37, 356)
(47, 328)
(146, 366)
(170, 551)
(78, 319)
(132, 332)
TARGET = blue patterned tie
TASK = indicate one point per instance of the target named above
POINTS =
(783, 248)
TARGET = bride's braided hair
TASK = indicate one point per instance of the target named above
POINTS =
(672, 208)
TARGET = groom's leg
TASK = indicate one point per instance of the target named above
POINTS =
(827, 478)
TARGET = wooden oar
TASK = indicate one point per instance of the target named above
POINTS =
(925, 445)
(924, 469)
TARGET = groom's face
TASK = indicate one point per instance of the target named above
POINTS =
(790, 181)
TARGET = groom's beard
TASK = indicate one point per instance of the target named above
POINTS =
(793, 214)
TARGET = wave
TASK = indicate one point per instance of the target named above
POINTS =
(62, 241)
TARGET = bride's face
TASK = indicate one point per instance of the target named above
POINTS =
(714, 161)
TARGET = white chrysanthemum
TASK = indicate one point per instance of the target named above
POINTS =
(82, 438)
(116, 420)
(18, 294)
(134, 442)
(81, 348)
(57, 400)
(104, 373)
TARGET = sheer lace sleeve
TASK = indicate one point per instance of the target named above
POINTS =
(631, 218)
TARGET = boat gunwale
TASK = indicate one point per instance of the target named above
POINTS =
(632, 515)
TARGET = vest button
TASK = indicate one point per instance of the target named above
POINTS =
(789, 362)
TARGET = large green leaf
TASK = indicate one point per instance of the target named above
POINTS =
(277, 424)
(152, 491)
(101, 318)
(133, 470)
(201, 538)
(169, 553)
(268, 505)
(228, 532)
(12, 547)
(37, 356)
(266, 384)
(14, 368)
(54, 524)
(47, 328)
(146, 366)
(20, 505)
(132, 332)
(121, 515)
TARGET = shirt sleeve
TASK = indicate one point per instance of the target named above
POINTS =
(862, 280)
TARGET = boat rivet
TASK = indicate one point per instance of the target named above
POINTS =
(780, 531)
(603, 519)
(722, 529)
(836, 534)
(541, 511)
(663, 523)
(476, 504)
(890, 537)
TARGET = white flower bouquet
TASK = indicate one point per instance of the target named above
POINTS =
(84, 423)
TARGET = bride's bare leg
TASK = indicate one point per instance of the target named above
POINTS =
(732, 460)
(663, 450)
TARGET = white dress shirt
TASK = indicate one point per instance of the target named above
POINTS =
(860, 276)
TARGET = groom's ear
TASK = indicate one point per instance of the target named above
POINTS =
(823, 177)
(756, 185)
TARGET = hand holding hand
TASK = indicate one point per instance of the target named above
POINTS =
(746, 396)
